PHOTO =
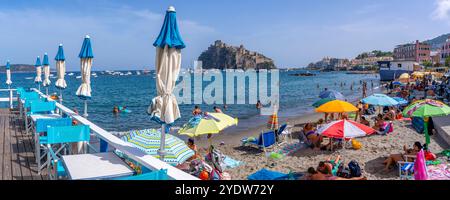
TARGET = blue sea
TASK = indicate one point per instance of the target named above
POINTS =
(297, 94)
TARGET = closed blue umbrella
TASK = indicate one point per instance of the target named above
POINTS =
(61, 71)
(86, 56)
(380, 100)
(38, 78)
(164, 108)
(46, 68)
(332, 94)
(8, 74)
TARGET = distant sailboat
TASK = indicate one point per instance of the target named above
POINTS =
(78, 77)
(70, 74)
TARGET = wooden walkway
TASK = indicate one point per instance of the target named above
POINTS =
(17, 161)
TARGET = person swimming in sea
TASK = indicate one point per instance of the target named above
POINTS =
(225, 106)
(116, 110)
(196, 111)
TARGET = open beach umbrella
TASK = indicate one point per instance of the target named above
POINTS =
(46, 68)
(345, 129)
(336, 106)
(8, 74)
(401, 101)
(61, 71)
(149, 141)
(425, 109)
(210, 123)
(38, 78)
(380, 100)
(331, 94)
(322, 101)
(164, 108)
(86, 56)
(397, 83)
(404, 77)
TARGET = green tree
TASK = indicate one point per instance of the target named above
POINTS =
(427, 63)
(447, 62)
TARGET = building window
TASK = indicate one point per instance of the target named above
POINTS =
(399, 65)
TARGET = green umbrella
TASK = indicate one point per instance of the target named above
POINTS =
(322, 101)
(425, 109)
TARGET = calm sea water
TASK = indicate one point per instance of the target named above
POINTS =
(136, 91)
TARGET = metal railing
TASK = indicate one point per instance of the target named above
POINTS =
(132, 152)
(10, 97)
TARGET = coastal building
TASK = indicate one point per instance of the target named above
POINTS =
(445, 51)
(390, 70)
(435, 57)
(417, 52)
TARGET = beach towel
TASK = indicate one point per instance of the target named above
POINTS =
(268, 175)
(439, 172)
(420, 172)
(230, 163)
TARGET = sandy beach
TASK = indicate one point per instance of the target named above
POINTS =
(375, 149)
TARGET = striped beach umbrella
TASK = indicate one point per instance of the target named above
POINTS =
(345, 129)
(149, 141)
(46, 68)
(164, 107)
(8, 74)
(86, 56)
(61, 71)
(38, 78)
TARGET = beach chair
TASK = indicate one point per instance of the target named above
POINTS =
(406, 168)
(38, 107)
(40, 141)
(58, 140)
(265, 140)
(387, 129)
(284, 133)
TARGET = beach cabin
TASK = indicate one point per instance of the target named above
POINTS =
(391, 70)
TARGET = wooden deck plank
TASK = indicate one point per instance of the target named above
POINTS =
(17, 160)
(23, 155)
(7, 171)
(2, 136)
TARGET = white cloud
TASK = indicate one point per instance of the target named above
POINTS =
(442, 10)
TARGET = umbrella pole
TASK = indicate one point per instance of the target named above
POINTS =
(39, 87)
(161, 151)
(60, 96)
(425, 129)
(85, 109)
(46, 91)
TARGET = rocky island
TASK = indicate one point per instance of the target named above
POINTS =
(223, 56)
(19, 68)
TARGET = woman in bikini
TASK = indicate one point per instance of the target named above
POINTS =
(312, 136)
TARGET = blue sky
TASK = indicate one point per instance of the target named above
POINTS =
(293, 33)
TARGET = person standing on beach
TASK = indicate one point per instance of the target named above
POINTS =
(258, 105)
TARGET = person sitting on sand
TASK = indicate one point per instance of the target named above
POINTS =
(390, 115)
(312, 136)
(364, 121)
(379, 123)
(192, 146)
(395, 158)
(320, 123)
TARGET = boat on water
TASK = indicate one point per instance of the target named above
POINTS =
(307, 73)
(138, 73)
(78, 77)
(70, 74)
(94, 74)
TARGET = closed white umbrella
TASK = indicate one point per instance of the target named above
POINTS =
(8, 74)
(46, 67)
(9, 82)
(61, 71)
(86, 56)
(38, 78)
(164, 108)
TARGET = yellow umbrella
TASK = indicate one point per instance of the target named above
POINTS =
(404, 76)
(336, 106)
(212, 123)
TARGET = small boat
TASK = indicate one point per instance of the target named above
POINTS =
(307, 73)
(78, 77)
(29, 78)
(70, 74)
(138, 73)
(94, 74)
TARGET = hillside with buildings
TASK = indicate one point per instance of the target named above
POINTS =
(436, 43)
(223, 56)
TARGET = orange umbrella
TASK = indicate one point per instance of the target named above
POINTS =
(336, 106)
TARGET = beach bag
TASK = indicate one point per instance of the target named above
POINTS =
(356, 144)
(343, 171)
(355, 170)
(417, 123)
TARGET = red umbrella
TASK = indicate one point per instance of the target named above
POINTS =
(345, 129)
